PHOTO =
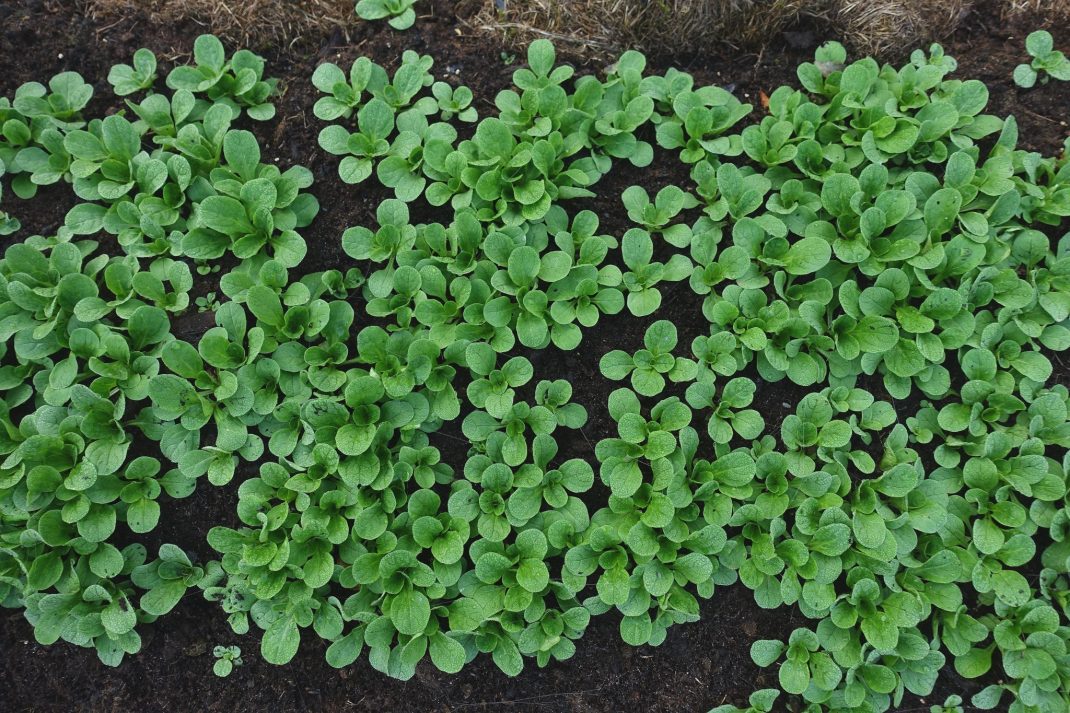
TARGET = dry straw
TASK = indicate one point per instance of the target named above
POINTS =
(1050, 10)
(666, 25)
(245, 22)
(876, 26)
(603, 27)
(884, 27)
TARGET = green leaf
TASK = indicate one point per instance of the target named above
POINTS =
(447, 653)
(794, 677)
(660, 337)
(636, 630)
(942, 209)
(533, 575)
(163, 598)
(904, 359)
(616, 365)
(807, 256)
(613, 587)
(119, 617)
(644, 302)
(1033, 365)
(208, 51)
(410, 611)
(987, 536)
(281, 641)
(1025, 76)
(1039, 43)
(765, 651)
(523, 265)
(875, 334)
(974, 663)
(647, 382)
(494, 137)
(346, 650)
(225, 215)
(143, 515)
(242, 152)
(881, 632)
(1011, 587)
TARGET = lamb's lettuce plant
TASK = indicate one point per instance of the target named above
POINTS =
(644, 274)
(138, 76)
(227, 658)
(1047, 63)
(32, 129)
(237, 83)
(651, 366)
(655, 216)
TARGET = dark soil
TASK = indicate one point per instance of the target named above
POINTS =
(700, 665)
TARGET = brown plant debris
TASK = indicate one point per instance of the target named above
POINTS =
(246, 22)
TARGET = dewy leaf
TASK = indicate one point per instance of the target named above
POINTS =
(447, 653)
(876, 334)
(660, 337)
(616, 365)
(281, 640)
(765, 651)
(118, 617)
(794, 676)
(942, 209)
(209, 52)
(1033, 365)
(1011, 588)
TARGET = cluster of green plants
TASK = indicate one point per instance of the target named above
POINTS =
(165, 188)
(873, 237)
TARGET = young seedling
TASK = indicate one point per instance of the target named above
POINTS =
(1048, 62)
(226, 659)
(127, 79)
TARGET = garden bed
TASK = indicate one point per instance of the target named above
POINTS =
(700, 665)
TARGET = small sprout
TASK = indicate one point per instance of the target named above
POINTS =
(205, 267)
(127, 79)
(227, 658)
(952, 704)
(207, 303)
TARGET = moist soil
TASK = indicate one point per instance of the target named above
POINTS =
(700, 665)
